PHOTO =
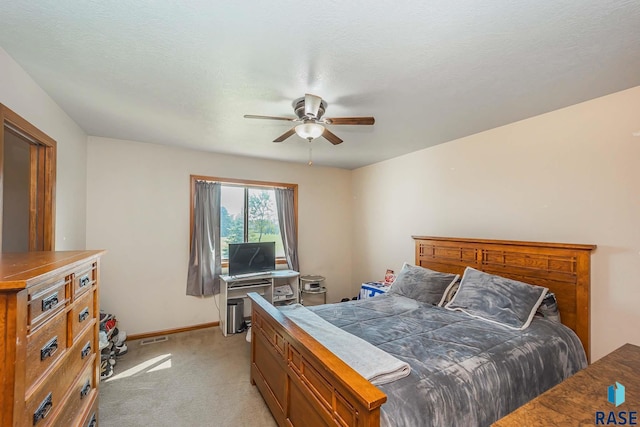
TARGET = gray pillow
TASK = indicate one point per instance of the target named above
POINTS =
(497, 299)
(422, 284)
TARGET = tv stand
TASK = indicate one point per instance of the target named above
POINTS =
(250, 275)
(266, 284)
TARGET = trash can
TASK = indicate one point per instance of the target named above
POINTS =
(235, 315)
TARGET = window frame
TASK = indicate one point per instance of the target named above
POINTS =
(241, 183)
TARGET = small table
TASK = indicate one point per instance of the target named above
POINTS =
(318, 281)
(575, 401)
(371, 289)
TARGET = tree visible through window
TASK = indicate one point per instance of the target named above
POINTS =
(248, 212)
(248, 215)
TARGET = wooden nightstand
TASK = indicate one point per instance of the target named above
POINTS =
(576, 401)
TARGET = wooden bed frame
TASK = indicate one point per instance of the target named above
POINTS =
(306, 385)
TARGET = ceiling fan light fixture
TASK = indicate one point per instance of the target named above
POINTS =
(309, 130)
(309, 111)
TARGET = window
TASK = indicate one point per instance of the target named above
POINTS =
(248, 213)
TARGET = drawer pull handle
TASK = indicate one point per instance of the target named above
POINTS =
(84, 281)
(43, 410)
(83, 315)
(92, 421)
(85, 390)
(49, 348)
(86, 350)
(49, 302)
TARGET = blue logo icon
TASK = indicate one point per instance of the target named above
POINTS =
(616, 394)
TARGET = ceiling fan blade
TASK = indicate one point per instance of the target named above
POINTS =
(331, 137)
(311, 105)
(251, 116)
(350, 121)
(285, 135)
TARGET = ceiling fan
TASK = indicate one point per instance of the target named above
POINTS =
(309, 111)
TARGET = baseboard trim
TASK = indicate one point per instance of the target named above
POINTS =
(171, 331)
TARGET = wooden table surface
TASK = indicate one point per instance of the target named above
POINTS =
(574, 402)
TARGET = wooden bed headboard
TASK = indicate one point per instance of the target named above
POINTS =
(564, 268)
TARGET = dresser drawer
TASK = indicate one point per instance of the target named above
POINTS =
(45, 347)
(81, 314)
(46, 402)
(91, 416)
(84, 347)
(83, 279)
(45, 300)
(48, 398)
(82, 394)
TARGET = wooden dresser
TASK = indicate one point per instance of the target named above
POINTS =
(49, 323)
(577, 400)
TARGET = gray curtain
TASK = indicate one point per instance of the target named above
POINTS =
(204, 258)
(288, 231)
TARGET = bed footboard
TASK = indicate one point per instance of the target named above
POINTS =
(303, 383)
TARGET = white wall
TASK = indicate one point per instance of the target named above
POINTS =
(20, 93)
(567, 176)
(138, 210)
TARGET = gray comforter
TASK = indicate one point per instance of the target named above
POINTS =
(464, 371)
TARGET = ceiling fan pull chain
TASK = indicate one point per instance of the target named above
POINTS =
(310, 163)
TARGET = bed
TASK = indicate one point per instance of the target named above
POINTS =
(304, 384)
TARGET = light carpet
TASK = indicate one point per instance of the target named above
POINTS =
(196, 378)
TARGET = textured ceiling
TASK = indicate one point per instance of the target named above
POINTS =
(185, 72)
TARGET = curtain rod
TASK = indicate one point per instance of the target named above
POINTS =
(234, 184)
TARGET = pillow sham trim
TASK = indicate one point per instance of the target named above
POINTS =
(523, 327)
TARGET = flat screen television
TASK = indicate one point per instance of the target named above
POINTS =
(254, 257)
